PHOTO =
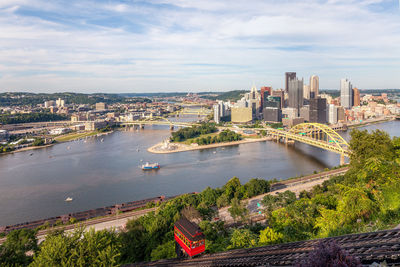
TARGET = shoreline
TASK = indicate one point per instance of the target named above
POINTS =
(27, 149)
(371, 122)
(184, 148)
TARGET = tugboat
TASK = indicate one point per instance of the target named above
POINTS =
(150, 166)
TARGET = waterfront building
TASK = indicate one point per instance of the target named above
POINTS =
(241, 114)
(341, 114)
(221, 110)
(272, 114)
(290, 122)
(332, 114)
(346, 94)
(296, 94)
(314, 86)
(356, 97)
(289, 113)
(289, 76)
(4, 136)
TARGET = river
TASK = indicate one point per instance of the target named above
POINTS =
(97, 174)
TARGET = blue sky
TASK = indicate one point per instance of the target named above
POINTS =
(196, 45)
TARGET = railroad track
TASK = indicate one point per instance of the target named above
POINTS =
(43, 233)
(368, 247)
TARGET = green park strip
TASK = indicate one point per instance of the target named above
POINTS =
(74, 136)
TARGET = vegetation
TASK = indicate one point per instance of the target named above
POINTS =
(224, 136)
(192, 132)
(231, 95)
(30, 99)
(31, 117)
(366, 198)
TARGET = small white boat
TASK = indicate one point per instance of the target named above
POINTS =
(69, 199)
(150, 166)
(215, 152)
(102, 140)
(68, 147)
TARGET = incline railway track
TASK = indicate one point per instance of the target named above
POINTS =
(368, 247)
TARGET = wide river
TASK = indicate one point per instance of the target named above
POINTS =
(96, 173)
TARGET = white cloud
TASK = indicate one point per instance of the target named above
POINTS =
(199, 45)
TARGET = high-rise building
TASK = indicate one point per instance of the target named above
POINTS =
(265, 92)
(306, 91)
(314, 86)
(318, 110)
(289, 76)
(272, 114)
(356, 97)
(280, 93)
(346, 94)
(332, 114)
(221, 110)
(296, 94)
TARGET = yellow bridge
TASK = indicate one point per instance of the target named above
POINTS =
(192, 111)
(315, 134)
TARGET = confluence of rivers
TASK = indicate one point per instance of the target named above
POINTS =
(96, 174)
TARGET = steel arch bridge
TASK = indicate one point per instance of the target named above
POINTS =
(315, 134)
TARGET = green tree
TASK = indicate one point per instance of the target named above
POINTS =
(238, 209)
(243, 238)
(164, 251)
(13, 252)
(256, 187)
(268, 236)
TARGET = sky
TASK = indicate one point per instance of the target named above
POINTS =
(196, 45)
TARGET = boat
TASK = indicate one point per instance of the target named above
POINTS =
(69, 199)
(150, 166)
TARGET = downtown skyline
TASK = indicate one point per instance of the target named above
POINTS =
(153, 46)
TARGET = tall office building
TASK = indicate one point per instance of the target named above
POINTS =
(346, 93)
(265, 92)
(289, 76)
(296, 94)
(280, 93)
(356, 97)
(332, 114)
(317, 110)
(314, 86)
(306, 91)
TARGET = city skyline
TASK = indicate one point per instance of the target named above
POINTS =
(154, 46)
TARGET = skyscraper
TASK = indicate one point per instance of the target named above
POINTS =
(289, 76)
(346, 93)
(280, 94)
(356, 97)
(265, 92)
(314, 86)
(296, 94)
(306, 91)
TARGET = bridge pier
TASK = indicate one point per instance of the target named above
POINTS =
(171, 127)
(141, 126)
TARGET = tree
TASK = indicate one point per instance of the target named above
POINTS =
(231, 187)
(257, 187)
(80, 248)
(238, 209)
(268, 237)
(164, 251)
(13, 252)
(243, 238)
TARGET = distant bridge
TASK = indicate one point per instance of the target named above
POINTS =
(192, 111)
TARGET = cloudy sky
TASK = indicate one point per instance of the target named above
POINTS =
(195, 45)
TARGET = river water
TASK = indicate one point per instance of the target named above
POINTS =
(97, 174)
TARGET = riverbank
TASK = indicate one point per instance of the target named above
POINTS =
(366, 123)
(26, 149)
(76, 136)
(177, 147)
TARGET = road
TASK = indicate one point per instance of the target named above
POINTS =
(295, 185)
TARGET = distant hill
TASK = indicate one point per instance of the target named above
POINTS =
(225, 96)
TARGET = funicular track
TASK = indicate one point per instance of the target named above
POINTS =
(368, 247)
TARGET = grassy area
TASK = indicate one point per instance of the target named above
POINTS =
(74, 136)
(192, 140)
